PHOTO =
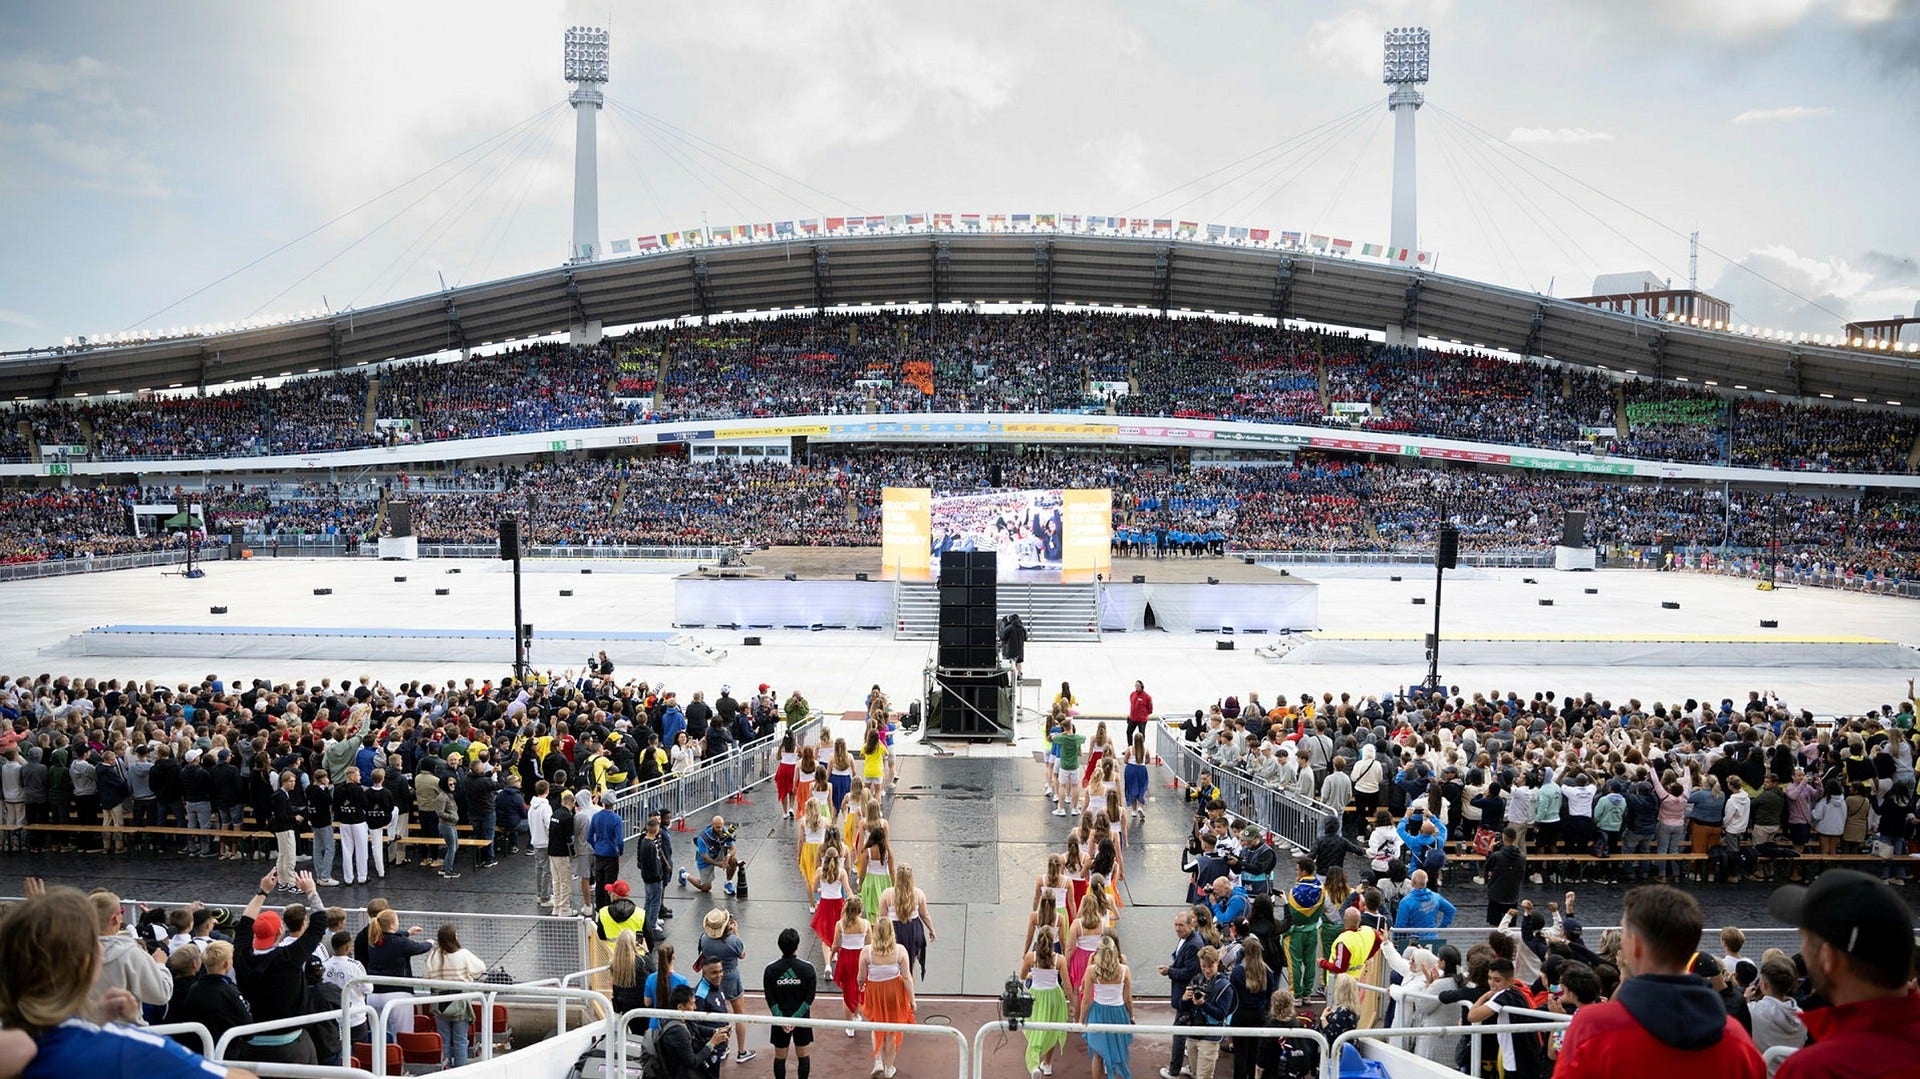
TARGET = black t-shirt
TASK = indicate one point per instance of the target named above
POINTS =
(790, 984)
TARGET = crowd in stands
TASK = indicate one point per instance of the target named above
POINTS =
(966, 362)
(1521, 789)
(1315, 502)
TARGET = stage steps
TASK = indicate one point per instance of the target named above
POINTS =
(1052, 612)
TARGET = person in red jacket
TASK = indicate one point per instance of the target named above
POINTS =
(1139, 711)
(1662, 1021)
(1856, 936)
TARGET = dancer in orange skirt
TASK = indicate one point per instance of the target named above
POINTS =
(803, 778)
(887, 994)
(849, 955)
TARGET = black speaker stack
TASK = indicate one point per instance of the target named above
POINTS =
(399, 518)
(509, 537)
(1573, 529)
(969, 610)
(1448, 556)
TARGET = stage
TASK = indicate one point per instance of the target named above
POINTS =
(1178, 595)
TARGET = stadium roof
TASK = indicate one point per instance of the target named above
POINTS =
(966, 267)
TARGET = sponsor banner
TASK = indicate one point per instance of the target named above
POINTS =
(1358, 408)
(702, 435)
(50, 450)
(1480, 456)
(1094, 430)
(1361, 445)
(1262, 438)
(1112, 388)
(1086, 548)
(773, 432)
(1608, 468)
(1135, 430)
(906, 532)
(397, 424)
(1599, 432)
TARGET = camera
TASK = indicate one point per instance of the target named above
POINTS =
(1016, 1003)
(728, 834)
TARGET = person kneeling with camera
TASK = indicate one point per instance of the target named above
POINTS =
(1208, 1001)
(713, 848)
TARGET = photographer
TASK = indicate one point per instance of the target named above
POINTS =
(1181, 969)
(712, 848)
(1207, 1001)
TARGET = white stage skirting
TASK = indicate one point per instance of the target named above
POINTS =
(756, 603)
(551, 648)
(1207, 608)
(1606, 653)
(399, 548)
(1573, 558)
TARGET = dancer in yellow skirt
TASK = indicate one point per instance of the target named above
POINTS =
(813, 831)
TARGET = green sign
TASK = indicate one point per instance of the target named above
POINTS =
(1557, 464)
(59, 469)
(558, 445)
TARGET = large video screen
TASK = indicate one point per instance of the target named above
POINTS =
(1049, 535)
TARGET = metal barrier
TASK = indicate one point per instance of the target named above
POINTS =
(306, 1071)
(443, 991)
(1413, 556)
(1298, 821)
(26, 571)
(346, 1018)
(1303, 1034)
(198, 1030)
(620, 1040)
(1550, 1022)
(682, 796)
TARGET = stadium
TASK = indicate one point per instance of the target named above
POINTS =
(972, 594)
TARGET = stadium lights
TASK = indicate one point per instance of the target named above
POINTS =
(1860, 400)
(1828, 396)
(1408, 51)
(1893, 402)
(586, 54)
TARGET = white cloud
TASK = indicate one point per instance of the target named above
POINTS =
(1786, 112)
(20, 318)
(1816, 294)
(1737, 19)
(100, 164)
(1564, 135)
(1349, 42)
(1124, 159)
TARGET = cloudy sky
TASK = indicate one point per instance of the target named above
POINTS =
(146, 153)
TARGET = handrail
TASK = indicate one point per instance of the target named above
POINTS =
(1331, 1064)
(382, 1019)
(452, 990)
(1304, 1034)
(307, 1071)
(292, 1022)
(199, 1030)
(752, 1019)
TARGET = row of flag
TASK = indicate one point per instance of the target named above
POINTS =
(1145, 226)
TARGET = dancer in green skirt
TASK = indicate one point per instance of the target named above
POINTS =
(1045, 976)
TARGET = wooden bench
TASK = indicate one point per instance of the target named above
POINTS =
(219, 833)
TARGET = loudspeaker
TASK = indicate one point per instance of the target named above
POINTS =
(443, 591)
(973, 706)
(999, 476)
(1765, 623)
(1591, 591)
(750, 641)
(566, 591)
(793, 577)
(588, 570)
(236, 538)
(1223, 646)
(1448, 554)
(1213, 580)
(399, 519)
(1669, 605)
(1419, 601)
(509, 537)
(323, 591)
(1395, 577)
(1139, 578)
(1546, 603)
(399, 580)
(1573, 529)
(216, 610)
(859, 576)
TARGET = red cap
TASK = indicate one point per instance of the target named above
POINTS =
(266, 929)
(619, 889)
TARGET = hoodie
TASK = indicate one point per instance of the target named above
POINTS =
(1658, 1024)
(124, 964)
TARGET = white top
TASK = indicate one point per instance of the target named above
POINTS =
(853, 942)
(1112, 993)
(817, 836)
(1088, 942)
(831, 889)
(789, 758)
(1043, 978)
(1059, 898)
(882, 972)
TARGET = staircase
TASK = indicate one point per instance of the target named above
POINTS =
(1051, 612)
(1326, 399)
(26, 435)
(372, 410)
(620, 496)
(1620, 411)
(1913, 455)
(92, 436)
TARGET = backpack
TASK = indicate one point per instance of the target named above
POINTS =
(647, 1052)
(1433, 860)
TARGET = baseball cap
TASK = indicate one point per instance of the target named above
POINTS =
(266, 929)
(1856, 913)
(619, 889)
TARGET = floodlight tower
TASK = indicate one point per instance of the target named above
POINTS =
(1405, 69)
(587, 70)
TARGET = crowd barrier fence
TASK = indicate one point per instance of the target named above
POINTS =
(910, 1030)
(438, 991)
(348, 1018)
(1298, 821)
(729, 778)
(63, 567)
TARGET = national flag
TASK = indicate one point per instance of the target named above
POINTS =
(1401, 254)
(1258, 235)
(694, 236)
(971, 221)
(1423, 256)
(916, 219)
(647, 243)
(1139, 224)
(670, 238)
(764, 229)
(943, 221)
(810, 226)
(1290, 239)
(875, 221)
(1190, 227)
(1047, 221)
(997, 220)
(1023, 219)
(1163, 224)
(836, 223)
(1072, 221)
(1214, 232)
(1372, 251)
(1236, 233)
(783, 228)
(896, 220)
(621, 247)
(1343, 247)
(1318, 241)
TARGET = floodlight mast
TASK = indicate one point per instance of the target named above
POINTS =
(1408, 49)
(587, 68)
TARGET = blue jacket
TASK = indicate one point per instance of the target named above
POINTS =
(672, 722)
(1418, 845)
(605, 833)
(1423, 908)
(1230, 909)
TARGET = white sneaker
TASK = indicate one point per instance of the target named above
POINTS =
(1059, 812)
(1536, 879)
(1479, 880)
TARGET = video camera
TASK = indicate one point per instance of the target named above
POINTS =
(1016, 1003)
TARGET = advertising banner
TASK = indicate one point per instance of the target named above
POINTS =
(906, 515)
(1088, 546)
